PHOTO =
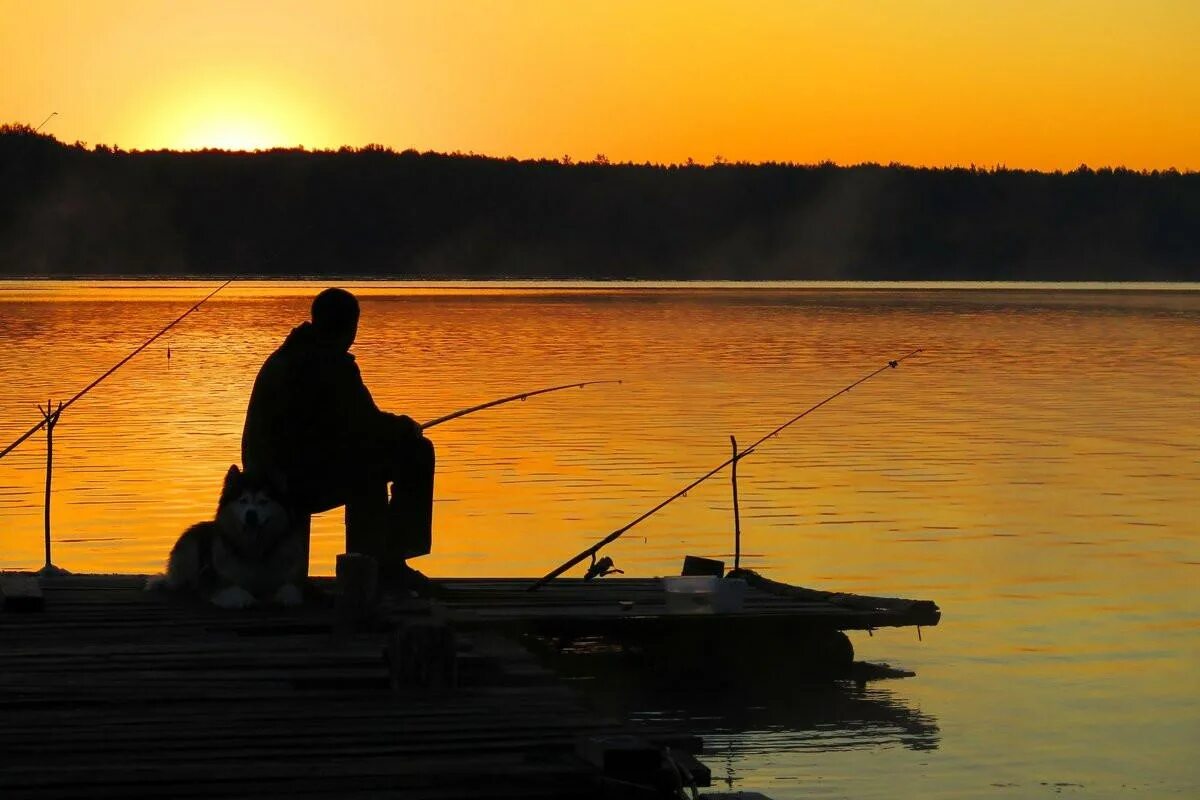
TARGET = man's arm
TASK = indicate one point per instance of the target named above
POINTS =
(363, 418)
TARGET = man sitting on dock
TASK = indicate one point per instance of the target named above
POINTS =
(312, 422)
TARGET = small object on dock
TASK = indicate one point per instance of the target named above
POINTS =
(357, 589)
(21, 593)
(704, 594)
(697, 565)
(600, 568)
(691, 594)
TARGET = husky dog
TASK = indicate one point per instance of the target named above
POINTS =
(253, 551)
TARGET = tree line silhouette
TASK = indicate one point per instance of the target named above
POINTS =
(71, 210)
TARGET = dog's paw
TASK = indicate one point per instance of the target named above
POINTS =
(288, 595)
(233, 597)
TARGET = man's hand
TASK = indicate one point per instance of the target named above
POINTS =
(409, 425)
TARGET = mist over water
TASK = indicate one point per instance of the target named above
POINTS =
(1035, 471)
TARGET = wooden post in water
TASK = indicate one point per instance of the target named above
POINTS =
(737, 521)
(51, 417)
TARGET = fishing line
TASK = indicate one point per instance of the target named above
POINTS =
(619, 532)
(114, 368)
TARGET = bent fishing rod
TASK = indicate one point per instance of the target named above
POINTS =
(619, 532)
(114, 368)
(523, 395)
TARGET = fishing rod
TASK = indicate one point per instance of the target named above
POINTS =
(619, 532)
(47, 119)
(64, 406)
(503, 400)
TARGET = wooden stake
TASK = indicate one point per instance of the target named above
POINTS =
(737, 521)
(51, 419)
(50, 422)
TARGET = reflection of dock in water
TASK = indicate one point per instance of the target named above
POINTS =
(762, 707)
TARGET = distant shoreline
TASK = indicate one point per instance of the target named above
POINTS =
(372, 213)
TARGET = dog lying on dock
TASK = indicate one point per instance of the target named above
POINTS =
(252, 552)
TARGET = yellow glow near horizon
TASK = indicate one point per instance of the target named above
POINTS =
(230, 116)
(226, 128)
(1041, 85)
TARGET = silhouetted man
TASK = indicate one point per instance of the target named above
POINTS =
(312, 422)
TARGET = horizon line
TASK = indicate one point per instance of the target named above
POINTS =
(599, 160)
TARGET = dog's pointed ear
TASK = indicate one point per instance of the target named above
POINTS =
(232, 480)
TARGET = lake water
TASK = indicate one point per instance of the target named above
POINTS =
(1036, 471)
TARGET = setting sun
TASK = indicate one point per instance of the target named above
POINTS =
(233, 114)
(228, 133)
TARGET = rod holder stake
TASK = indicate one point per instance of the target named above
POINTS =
(50, 415)
(737, 519)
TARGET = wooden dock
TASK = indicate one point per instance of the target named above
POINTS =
(112, 691)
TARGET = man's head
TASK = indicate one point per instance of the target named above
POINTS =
(335, 317)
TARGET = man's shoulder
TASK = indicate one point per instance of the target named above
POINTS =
(301, 357)
(317, 362)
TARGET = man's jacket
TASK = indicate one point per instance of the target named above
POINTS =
(311, 419)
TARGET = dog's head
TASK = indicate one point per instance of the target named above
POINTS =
(253, 510)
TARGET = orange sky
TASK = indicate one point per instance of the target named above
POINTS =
(1042, 85)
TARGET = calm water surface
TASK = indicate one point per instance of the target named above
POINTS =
(1035, 472)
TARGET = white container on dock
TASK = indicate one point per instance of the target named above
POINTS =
(704, 594)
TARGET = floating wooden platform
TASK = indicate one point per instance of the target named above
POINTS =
(111, 691)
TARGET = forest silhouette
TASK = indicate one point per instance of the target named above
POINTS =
(74, 210)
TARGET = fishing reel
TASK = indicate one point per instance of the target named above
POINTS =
(601, 568)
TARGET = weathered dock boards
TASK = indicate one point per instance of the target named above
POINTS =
(110, 691)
